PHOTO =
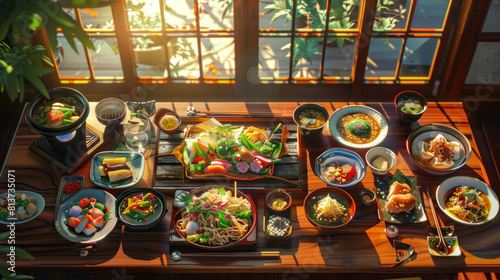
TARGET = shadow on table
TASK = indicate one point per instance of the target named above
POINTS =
(149, 244)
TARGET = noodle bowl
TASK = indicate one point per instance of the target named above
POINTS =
(215, 218)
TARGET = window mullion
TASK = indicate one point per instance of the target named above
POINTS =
(85, 48)
(325, 40)
(124, 44)
(367, 16)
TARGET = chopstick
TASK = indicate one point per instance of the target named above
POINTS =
(436, 222)
(244, 113)
(248, 255)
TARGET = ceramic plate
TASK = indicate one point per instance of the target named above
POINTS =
(338, 114)
(159, 209)
(343, 156)
(102, 196)
(447, 185)
(40, 203)
(134, 160)
(417, 215)
(451, 242)
(429, 132)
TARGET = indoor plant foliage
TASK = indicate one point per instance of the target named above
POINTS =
(312, 14)
(21, 19)
(4, 250)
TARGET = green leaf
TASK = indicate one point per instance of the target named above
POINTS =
(340, 42)
(222, 219)
(5, 23)
(4, 236)
(69, 37)
(23, 254)
(37, 83)
(4, 270)
(10, 86)
(35, 21)
(22, 277)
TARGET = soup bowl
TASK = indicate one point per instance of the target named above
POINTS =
(306, 130)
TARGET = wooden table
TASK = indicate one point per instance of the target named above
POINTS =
(359, 247)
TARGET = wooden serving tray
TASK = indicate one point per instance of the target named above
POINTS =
(170, 175)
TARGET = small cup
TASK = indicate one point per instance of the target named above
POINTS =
(110, 111)
(310, 131)
(408, 118)
(386, 154)
(162, 113)
(367, 197)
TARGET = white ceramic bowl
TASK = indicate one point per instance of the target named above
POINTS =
(457, 181)
(385, 153)
(338, 114)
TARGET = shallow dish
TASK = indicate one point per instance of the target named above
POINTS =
(416, 215)
(147, 108)
(104, 197)
(176, 234)
(447, 185)
(159, 209)
(40, 204)
(318, 194)
(135, 162)
(342, 156)
(162, 112)
(351, 109)
(428, 132)
(451, 243)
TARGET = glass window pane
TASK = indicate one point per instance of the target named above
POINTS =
(149, 56)
(485, 66)
(492, 22)
(344, 14)
(218, 57)
(184, 61)
(179, 15)
(70, 63)
(310, 15)
(106, 59)
(391, 15)
(430, 14)
(339, 57)
(307, 57)
(144, 14)
(273, 59)
(418, 57)
(383, 57)
(275, 15)
(97, 18)
(215, 14)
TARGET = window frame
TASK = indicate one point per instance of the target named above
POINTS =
(246, 34)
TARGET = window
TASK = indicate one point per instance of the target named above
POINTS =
(268, 44)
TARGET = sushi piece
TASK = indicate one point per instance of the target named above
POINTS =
(401, 203)
(256, 166)
(105, 168)
(242, 167)
(96, 213)
(89, 229)
(120, 176)
(73, 222)
(75, 211)
(115, 161)
(213, 169)
(98, 222)
(399, 189)
(224, 163)
(87, 216)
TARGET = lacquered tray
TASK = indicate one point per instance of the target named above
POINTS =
(288, 174)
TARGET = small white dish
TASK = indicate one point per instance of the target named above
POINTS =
(452, 244)
(386, 154)
(447, 185)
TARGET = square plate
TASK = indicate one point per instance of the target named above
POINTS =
(452, 242)
(134, 160)
(417, 215)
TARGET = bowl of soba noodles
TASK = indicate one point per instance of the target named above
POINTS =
(215, 218)
(64, 112)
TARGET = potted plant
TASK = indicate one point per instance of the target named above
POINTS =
(19, 59)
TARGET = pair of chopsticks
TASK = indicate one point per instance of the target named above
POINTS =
(242, 255)
(437, 224)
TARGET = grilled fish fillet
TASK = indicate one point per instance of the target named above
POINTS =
(400, 203)
(398, 189)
